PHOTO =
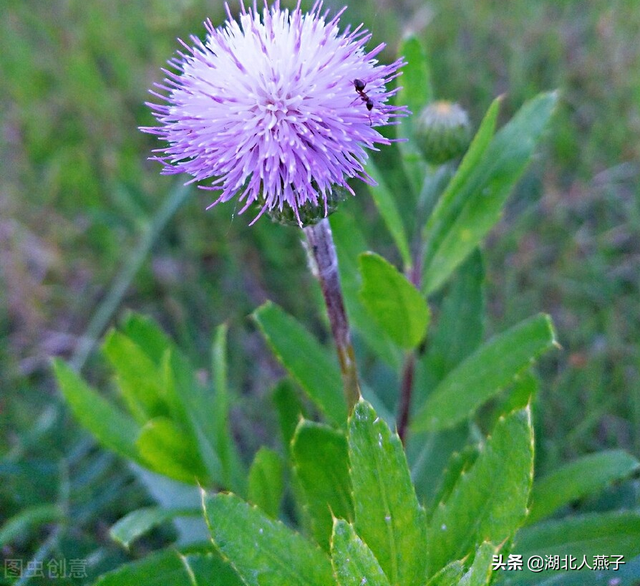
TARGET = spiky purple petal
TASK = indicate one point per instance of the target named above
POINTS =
(266, 107)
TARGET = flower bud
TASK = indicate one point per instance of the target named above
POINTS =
(442, 132)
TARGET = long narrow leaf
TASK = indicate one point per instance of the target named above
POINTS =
(489, 501)
(478, 200)
(485, 373)
(389, 518)
(111, 427)
(386, 203)
(307, 361)
(261, 550)
(578, 479)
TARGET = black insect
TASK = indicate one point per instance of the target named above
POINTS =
(359, 85)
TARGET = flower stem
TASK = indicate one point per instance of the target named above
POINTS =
(406, 391)
(322, 252)
(408, 369)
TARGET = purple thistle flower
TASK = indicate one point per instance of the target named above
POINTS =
(273, 107)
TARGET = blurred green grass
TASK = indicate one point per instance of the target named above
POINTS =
(77, 193)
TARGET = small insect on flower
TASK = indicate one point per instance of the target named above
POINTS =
(360, 85)
(263, 107)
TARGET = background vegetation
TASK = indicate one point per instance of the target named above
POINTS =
(81, 209)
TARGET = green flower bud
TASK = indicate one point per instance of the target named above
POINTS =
(309, 213)
(442, 132)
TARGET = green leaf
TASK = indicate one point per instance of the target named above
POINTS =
(350, 243)
(416, 93)
(264, 552)
(266, 481)
(146, 333)
(162, 569)
(479, 573)
(587, 535)
(209, 570)
(577, 479)
(192, 410)
(483, 374)
(522, 391)
(475, 205)
(453, 198)
(306, 360)
(225, 447)
(458, 334)
(138, 377)
(166, 449)
(386, 203)
(321, 462)
(459, 464)
(28, 519)
(290, 411)
(111, 427)
(429, 454)
(169, 568)
(353, 562)
(450, 575)
(489, 502)
(393, 301)
(388, 516)
(141, 521)
(416, 90)
(460, 324)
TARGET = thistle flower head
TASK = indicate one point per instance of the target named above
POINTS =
(277, 107)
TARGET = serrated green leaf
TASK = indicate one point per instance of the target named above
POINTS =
(450, 575)
(111, 427)
(264, 552)
(522, 392)
(349, 244)
(575, 480)
(393, 301)
(138, 376)
(165, 448)
(479, 573)
(386, 204)
(353, 562)
(476, 204)
(489, 502)
(589, 535)
(266, 481)
(209, 570)
(306, 360)
(321, 462)
(388, 516)
(483, 374)
(141, 521)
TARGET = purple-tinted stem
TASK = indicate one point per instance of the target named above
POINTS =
(406, 386)
(322, 251)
